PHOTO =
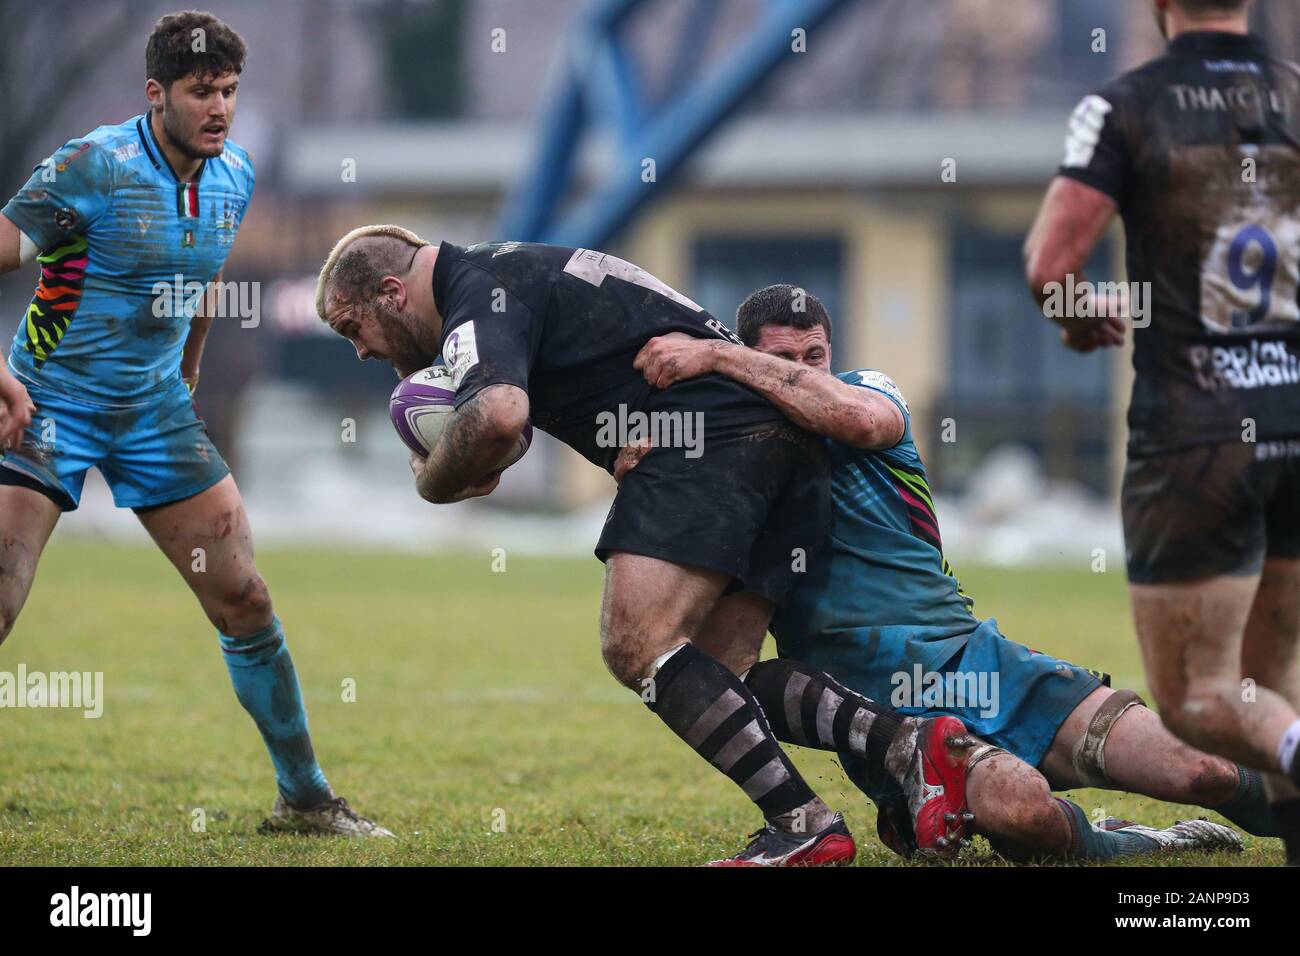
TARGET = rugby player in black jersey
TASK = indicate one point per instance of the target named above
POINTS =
(704, 539)
(1198, 152)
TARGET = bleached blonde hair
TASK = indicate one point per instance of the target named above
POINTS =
(362, 272)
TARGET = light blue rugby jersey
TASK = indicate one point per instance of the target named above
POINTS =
(112, 222)
(881, 578)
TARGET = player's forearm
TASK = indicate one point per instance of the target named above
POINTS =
(192, 355)
(11, 245)
(812, 399)
(472, 446)
(1070, 224)
(1048, 263)
(1049, 275)
(8, 383)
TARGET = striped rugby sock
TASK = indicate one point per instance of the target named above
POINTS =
(808, 707)
(712, 710)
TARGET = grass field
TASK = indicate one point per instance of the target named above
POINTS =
(480, 699)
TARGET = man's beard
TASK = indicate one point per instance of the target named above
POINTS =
(181, 142)
(407, 353)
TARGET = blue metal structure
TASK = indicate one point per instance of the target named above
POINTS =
(597, 86)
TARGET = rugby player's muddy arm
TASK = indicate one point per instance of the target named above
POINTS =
(1070, 223)
(15, 405)
(814, 399)
(200, 325)
(482, 431)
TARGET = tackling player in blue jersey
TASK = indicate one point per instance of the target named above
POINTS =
(880, 605)
(103, 366)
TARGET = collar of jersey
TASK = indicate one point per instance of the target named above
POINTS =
(1208, 41)
(144, 129)
(441, 265)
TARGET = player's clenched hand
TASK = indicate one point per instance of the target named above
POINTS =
(629, 456)
(417, 465)
(671, 358)
(484, 487)
(1102, 333)
(16, 410)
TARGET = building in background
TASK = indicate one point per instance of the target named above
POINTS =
(422, 111)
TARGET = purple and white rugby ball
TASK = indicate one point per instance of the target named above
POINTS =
(421, 406)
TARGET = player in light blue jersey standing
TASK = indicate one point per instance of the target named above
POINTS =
(127, 223)
(879, 607)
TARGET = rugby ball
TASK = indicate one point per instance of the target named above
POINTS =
(421, 406)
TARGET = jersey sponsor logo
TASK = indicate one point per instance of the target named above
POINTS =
(883, 383)
(721, 330)
(1250, 365)
(1234, 66)
(460, 352)
(1084, 134)
(592, 266)
(1274, 450)
(71, 159)
(127, 152)
(226, 222)
(1222, 99)
(228, 157)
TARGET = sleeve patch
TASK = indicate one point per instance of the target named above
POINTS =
(1085, 131)
(460, 352)
(883, 383)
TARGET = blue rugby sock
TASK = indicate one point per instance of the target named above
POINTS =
(1089, 843)
(1248, 807)
(265, 682)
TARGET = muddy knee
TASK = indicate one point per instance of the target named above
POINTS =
(1014, 808)
(243, 611)
(1212, 779)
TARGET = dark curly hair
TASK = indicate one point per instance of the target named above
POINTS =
(192, 42)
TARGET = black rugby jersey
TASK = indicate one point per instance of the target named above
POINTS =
(1200, 150)
(565, 325)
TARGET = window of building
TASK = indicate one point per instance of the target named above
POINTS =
(728, 268)
(1011, 380)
